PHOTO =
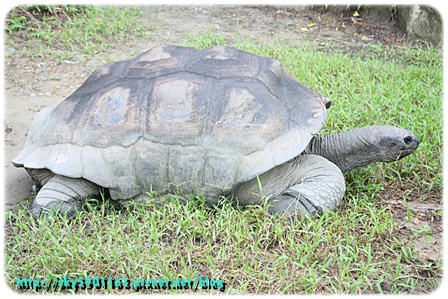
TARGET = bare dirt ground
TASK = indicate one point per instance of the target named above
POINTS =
(33, 85)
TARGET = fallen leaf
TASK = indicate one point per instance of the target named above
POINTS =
(304, 29)
(336, 29)
(356, 14)
(201, 250)
(416, 221)
(363, 37)
(391, 209)
(311, 25)
(343, 25)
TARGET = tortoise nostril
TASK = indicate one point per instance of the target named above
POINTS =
(408, 139)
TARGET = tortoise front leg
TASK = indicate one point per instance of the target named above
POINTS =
(63, 194)
(320, 187)
(309, 184)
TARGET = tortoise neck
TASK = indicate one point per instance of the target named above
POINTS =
(348, 150)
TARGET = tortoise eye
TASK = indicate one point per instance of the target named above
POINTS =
(408, 139)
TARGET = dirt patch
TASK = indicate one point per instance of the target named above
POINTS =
(419, 217)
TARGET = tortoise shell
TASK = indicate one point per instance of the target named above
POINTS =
(177, 119)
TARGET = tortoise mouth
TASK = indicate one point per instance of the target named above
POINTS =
(411, 144)
(405, 152)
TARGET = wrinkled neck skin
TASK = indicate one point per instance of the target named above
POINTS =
(348, 150)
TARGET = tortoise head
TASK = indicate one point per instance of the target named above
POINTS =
(394, 143)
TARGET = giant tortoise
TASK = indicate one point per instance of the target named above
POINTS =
(217, 122)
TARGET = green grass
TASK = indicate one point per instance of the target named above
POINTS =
(60, 32)
(359, 248)
(351, 250)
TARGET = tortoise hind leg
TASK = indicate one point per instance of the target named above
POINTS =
(64, 194)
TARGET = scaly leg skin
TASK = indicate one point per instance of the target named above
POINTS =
(321, 187)
(310, 184)
(64, 194)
